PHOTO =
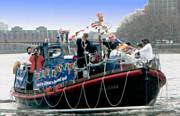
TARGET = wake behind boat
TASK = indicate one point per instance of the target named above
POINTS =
(106, 82)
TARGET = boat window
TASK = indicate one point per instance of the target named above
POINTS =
(54, 52)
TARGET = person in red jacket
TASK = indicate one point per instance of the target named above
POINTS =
(36, 61)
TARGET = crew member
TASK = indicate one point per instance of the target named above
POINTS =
(23, 60)
(36, 61)
(36, 64)
(146, 51)
(111, 43)
(83, 47)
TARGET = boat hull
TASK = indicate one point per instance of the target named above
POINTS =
(132, 88)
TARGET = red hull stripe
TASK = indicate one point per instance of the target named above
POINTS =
(158, 74)
(88, 83)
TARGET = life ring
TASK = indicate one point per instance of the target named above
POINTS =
(16, 65)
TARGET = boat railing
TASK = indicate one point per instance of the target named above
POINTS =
(67, 73)
(118, 63)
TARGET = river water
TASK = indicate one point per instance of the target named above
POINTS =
(167, 104)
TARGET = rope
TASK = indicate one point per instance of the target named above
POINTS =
(77, 104)
(55, 105)
(85, 96)
(11, 96)
(67, 99)
(79, 69)
(110, 103)
(26, 99)
(158, 61)
(84, 92)
(99, 96)
(26, 92)
(49, 105)
(37, 103)
(41, 98)
(162, 89)
(167, 97)
(87, 66)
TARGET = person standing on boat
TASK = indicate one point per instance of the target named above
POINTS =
(111, 43)
(23, 60)
(83, 47)
(136, 52)
(36, 61)
(25, 63)
(36, 64)
(146, 52)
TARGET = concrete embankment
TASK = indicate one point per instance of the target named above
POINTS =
(163, 48)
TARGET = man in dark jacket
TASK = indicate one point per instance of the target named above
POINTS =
(111, 43)
(83, 48)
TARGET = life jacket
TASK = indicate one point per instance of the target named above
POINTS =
(36, 62)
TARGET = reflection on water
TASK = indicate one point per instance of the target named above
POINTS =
(168, 101)
(134, 112)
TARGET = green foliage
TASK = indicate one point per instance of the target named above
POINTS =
(141, 24)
